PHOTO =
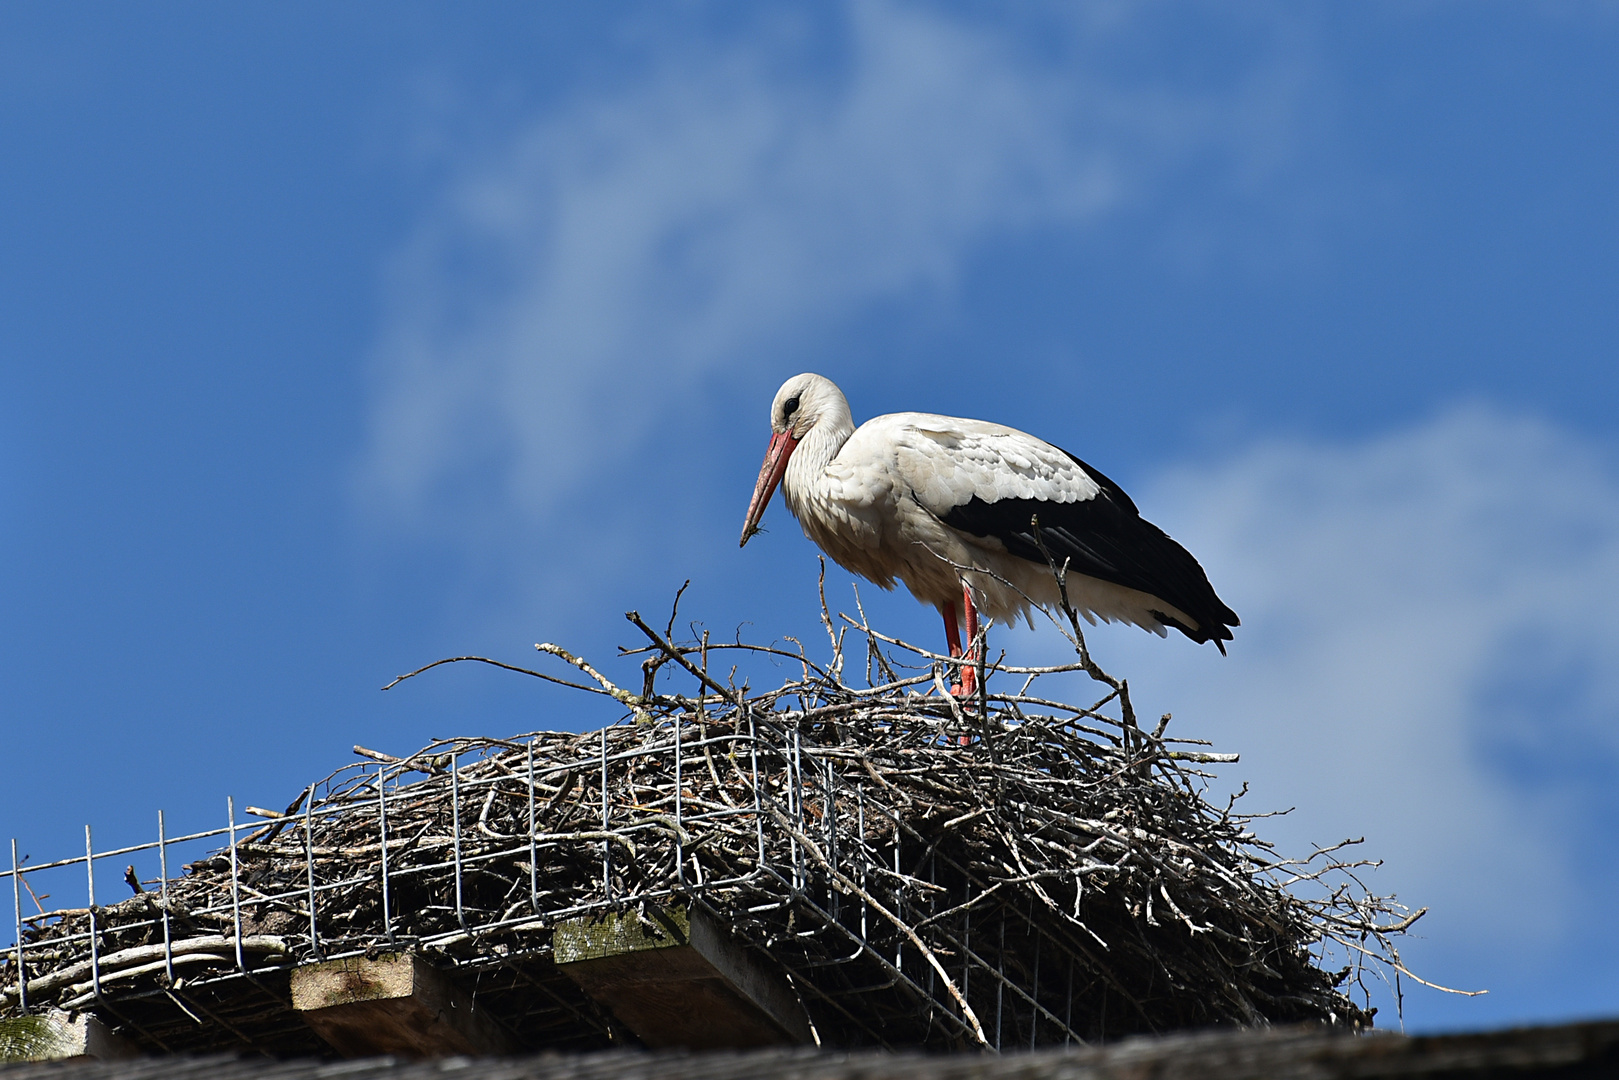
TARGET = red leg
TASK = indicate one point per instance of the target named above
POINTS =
(951, 634)
(962, 687)
(969, 672)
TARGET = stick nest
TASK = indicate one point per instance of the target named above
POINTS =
(1005, 871)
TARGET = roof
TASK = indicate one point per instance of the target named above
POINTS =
(1566, 1051)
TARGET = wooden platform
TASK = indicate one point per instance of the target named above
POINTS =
(397, 1004)
(59, 1036)
(676, 979)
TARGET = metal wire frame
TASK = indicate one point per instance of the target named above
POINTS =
(16, 903)
(382, 854)
(309, 873)
(163, 878)
(808, 787)
(90, 893)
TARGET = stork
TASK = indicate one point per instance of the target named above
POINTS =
(948, 506)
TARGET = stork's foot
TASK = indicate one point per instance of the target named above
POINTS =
(967, 686)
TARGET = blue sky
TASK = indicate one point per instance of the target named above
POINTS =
(335, 340)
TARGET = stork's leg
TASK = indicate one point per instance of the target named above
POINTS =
(969, 660)
(968, 678)
(951, 634)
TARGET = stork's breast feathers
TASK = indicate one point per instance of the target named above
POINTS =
(847, 508)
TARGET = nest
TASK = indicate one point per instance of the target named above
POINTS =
(1004, 871)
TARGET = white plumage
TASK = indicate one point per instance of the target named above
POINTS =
(942, 503)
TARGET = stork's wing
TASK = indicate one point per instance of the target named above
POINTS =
(994, 481)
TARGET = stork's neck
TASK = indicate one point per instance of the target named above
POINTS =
(815, 452)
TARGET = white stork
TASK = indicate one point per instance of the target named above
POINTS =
(945, 505)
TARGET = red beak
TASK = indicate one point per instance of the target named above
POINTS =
(782, 446)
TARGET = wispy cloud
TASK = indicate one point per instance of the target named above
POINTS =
(726, 205)
(1425, 660)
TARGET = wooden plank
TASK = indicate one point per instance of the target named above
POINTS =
(680, 981)
(59, 1036)
(396, 1004)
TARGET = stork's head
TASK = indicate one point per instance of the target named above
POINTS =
(802, 402)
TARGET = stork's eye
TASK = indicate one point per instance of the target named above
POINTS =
(789, 408)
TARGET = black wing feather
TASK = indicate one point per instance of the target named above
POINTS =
(1107, 538)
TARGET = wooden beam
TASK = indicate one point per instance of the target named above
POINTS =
(680, 981)
(396, 1004)
(59, 1036)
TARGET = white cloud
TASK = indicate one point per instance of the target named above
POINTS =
(726, 205)
(1425, 660)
